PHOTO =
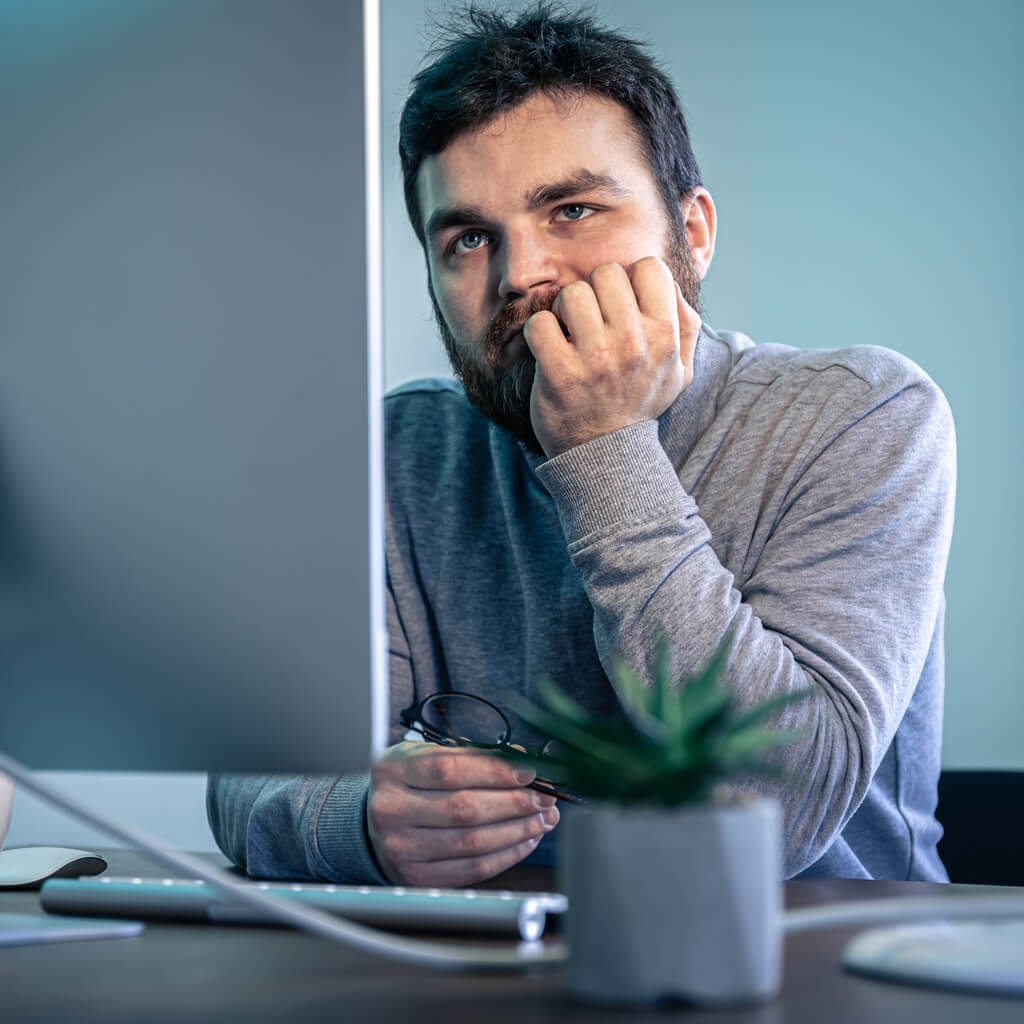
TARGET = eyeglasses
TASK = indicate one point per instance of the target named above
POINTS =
(457, 719)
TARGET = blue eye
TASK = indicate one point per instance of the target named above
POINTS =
(469, 242)
(575, 211)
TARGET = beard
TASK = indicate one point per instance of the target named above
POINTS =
(502, 393)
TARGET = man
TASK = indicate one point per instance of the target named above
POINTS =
(621, 469)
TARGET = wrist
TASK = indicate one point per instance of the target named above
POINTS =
(615, 477)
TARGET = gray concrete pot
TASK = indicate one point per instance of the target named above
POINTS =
(674, 903)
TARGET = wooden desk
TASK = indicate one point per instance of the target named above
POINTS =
(248, 974)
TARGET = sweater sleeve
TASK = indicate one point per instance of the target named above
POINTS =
(842, 596)
(293, 826)
(305, 826)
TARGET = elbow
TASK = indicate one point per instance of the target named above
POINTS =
(829, 774)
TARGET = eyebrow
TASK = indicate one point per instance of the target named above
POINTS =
(453, 217)
(581, 181)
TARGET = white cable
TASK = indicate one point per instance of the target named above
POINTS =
(861, 912)
(316, 922)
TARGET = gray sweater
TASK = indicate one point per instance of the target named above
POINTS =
(801, 501)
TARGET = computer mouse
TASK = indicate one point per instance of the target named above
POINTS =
(974, 956)
(27, 867)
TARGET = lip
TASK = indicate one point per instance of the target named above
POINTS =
(512, 345)
(511, 332)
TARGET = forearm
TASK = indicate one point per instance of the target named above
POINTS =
(293, 826)
(841, 591)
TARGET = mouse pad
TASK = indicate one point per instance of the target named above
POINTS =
(973, 956)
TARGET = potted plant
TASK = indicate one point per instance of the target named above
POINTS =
(673, 878)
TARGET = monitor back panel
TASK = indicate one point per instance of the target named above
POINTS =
(185, 552)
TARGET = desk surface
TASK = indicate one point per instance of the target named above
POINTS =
(177, 972)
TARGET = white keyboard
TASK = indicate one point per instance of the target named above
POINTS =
(482, 911)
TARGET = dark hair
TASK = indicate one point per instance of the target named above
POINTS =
(487, 63)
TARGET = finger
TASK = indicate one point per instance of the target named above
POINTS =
(689, 318)
(468, 870)
(614, 293)
(558, 362)
(429, 844)
(689, 331)
(469, 807)
(428, 766)
(579, 312)
(655, 290)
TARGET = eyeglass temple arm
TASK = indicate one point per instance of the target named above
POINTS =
(541, 785)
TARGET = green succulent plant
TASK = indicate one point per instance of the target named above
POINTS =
(674, 746)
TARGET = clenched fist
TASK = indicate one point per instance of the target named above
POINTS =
(612, 351)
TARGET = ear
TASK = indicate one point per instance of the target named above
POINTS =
(700, 223)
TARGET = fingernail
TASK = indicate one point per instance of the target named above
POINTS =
(544, 800)
(524, 776)
(550, 818)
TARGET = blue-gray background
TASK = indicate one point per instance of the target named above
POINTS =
(865, 162)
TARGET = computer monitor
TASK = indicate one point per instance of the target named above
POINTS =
(191, 524)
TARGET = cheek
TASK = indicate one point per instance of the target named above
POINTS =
(462, 306)
(625, 244)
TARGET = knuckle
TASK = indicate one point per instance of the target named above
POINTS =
(653, 265)
(632, 345)
(532, 828)
(480, 869)
(606, 272)
(666, 332)
(469, 843)
(601, 364)
(462, 808)
(391, 845)
(542, 320)
(446, 769)
(574, 293)
(662, 337)
(635, 362)
(528, 802)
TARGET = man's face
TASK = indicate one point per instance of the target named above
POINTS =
(517, 210)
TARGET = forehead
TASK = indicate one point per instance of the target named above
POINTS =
(544, 140)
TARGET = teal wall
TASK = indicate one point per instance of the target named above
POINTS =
(866, 163)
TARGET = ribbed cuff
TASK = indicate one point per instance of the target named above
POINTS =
(625, 475)
(342, 845)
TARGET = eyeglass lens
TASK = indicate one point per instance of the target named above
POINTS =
(463, 717)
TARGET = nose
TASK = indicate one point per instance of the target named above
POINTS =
(526, 263)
